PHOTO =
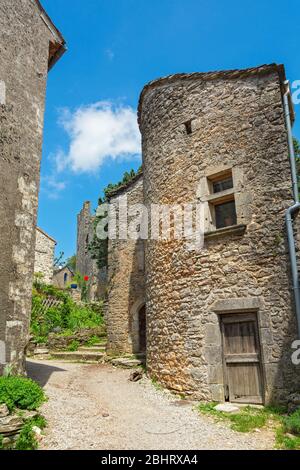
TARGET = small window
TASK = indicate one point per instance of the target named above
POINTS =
(188, 127)
(223, 184)
(225, 214)
(65, 278)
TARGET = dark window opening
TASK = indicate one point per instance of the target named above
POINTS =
(188, 127)
(222, 185)
(65, 278)
(225, 214)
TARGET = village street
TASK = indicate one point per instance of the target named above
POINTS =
(96, 407)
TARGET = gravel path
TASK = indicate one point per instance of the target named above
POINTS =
(96, 407)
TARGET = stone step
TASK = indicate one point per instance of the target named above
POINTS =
(79, 356)
(126, 362)
(92, 349)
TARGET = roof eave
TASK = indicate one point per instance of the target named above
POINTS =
(221, 74)
(59, 40)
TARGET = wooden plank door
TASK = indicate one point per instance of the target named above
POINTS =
(242, 359)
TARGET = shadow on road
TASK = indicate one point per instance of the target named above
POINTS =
(41, 372)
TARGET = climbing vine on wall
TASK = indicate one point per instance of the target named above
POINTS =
(297, 155)
(99, 248)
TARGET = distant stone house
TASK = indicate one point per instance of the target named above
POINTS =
(220, 321)
(30, 45)
(63, 277)
(44, 255)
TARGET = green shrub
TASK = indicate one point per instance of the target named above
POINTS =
(247, 422)
(83, 317)
(73, 346)
(292, 423)
(27, 439)
(287, 442)
(93, 340)
(66, 316)
(20, 392)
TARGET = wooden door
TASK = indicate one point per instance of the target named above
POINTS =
(241, 358)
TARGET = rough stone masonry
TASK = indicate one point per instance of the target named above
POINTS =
(220, 321)
(44, 255)
(85, 264)
(30, 45)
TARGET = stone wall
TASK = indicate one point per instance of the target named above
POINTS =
(63, 277)
(25, 37)
(235, 120)
(85, 264)
(126, 282)
(44, 255)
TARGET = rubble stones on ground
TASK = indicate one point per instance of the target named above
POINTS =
(126, 362)
(41, 351)
(37, 433)
(4, 411)
(136, 375)
(10, 424)
(227, 408)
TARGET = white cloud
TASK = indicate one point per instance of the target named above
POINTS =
(52, 187)
(110, 54)
(98, 132)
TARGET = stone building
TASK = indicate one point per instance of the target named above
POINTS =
(125, 313)
(44, 255)
(63, 277)
(220, 319)
(85, 264)
(30, 45)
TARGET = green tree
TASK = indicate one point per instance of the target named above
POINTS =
(99, 248)
(71, 263)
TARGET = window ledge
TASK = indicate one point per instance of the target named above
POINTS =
(219, 197)
(225, 232)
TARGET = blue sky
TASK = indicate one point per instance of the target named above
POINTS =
(114, 48)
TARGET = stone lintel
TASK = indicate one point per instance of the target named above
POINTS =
(250, 304)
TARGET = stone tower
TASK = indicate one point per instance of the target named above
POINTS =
(30, 45)
(220, 320)
(85, 264)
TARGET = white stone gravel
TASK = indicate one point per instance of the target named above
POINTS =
(96, 407)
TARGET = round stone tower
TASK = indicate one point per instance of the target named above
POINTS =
(219, 139)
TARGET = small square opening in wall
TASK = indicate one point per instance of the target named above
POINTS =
(188, 127)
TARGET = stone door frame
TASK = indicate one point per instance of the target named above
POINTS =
(135, 325)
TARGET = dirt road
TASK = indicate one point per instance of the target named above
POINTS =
(96, 407)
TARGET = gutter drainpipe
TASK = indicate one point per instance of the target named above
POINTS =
(291, 211)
